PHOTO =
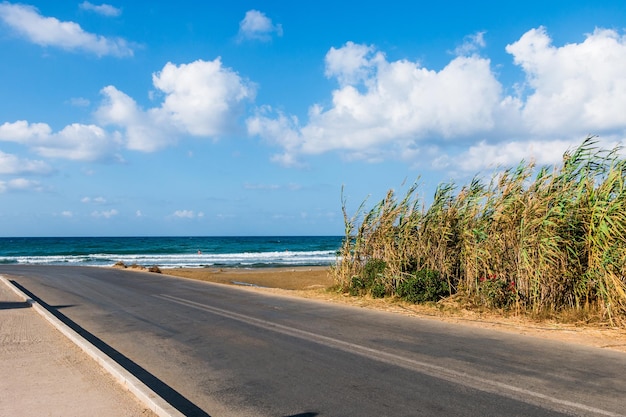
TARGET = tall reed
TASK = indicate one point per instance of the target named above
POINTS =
(537, 239)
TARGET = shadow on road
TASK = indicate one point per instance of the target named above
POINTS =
(303, 415)
(10, 305)
(166, 392)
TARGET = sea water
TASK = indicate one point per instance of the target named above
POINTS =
(172, 252)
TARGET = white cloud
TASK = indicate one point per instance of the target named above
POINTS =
(509, 154)
(67, 213)
(576, 87)
(23, 132)
(20, 184)
(382, 104)
(75, 142)
(103, 9)
(78, 142)
(352, 63)
(184, 214)
(471, 44)
(107, 214)
(79, 102)
(202, 99)
(94, 200)
(249, 186)
(143, 131)
(24, 184)
(12, 165)
(256, 25)
(400, 109)
(280, 129)
(27, 22)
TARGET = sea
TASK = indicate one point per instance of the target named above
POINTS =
(173, 252)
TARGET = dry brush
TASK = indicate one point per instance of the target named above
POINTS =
(539, 240)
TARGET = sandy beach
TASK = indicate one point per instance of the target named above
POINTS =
(313, 282)
(299, 278)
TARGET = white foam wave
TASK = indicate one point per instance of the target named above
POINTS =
(287, 258)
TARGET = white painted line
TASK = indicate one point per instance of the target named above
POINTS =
(462, 378)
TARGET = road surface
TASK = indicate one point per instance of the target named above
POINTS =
(218, 350)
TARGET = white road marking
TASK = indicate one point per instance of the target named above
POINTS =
(436, 371)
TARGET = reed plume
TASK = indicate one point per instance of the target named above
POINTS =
(547, 239)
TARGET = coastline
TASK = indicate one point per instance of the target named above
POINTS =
(314, 282)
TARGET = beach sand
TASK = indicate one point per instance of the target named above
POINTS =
(314, 282)
(299, 278)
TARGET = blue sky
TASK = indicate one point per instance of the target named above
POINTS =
(247, 118)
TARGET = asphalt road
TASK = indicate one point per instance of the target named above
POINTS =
(226, 351)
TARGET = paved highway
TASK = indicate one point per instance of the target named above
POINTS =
(226, 351)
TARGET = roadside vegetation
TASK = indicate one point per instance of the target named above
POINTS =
(541, 241)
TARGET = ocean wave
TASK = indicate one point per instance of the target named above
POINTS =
(196, 260)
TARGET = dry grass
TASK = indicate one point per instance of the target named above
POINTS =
(547, 241)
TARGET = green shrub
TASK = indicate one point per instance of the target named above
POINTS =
(357, 286)
(374, 268)
(497, 292)
(371, 279)
(424, 285)
(378, 290)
